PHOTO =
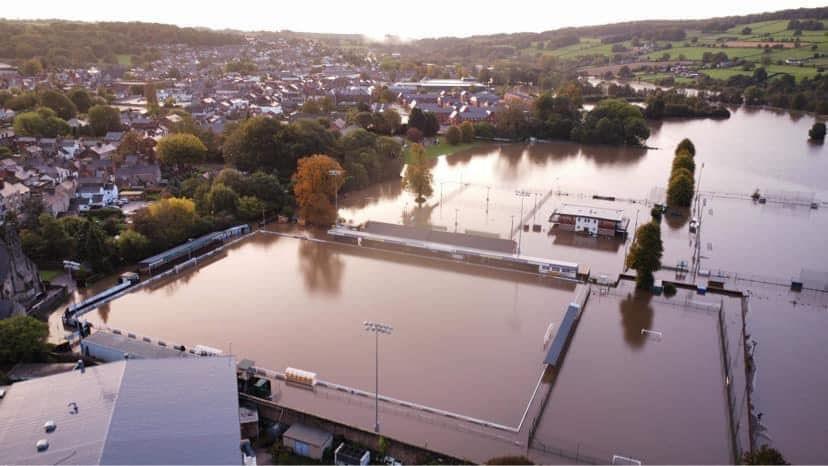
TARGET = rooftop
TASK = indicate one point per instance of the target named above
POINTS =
(615, 215)
(142, 411)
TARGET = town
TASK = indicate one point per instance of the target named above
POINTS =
(238, 247)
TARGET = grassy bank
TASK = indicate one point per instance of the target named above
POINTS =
(49, 275)
(442, 148)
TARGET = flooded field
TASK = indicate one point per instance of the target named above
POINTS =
(622, 392)
(469, 339)
(286, 302)
(789, 329)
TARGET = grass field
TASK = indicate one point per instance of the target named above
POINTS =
(49, 275)
(798, 72)
(124, 59)
(441, 148)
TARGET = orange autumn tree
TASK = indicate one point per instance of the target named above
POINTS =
(315, 185)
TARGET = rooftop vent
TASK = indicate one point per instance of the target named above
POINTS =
(42, 445)
(49, 427)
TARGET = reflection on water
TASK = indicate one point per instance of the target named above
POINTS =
(321, 267)
(636, 314)
(580, 240)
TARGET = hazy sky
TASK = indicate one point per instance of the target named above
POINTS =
(410, 19)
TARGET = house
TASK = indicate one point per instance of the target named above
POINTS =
(472, 114)
(97, 195)
(58, 199)
(140, 174)
(595, 221)
(12, 195)
(141, 411)
(307, 441)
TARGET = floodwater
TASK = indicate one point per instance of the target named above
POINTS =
(284, 302)
(789, 330)
(622, 392)
(469, 340)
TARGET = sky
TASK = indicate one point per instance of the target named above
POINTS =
(406, 19)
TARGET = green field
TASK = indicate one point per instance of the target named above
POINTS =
(124, 59)
(798, 72)
(442, 148)
(49, 275)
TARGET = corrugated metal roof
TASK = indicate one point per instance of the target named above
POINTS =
(135, 347)
(456, 239)
(147, 411)
(556, 349)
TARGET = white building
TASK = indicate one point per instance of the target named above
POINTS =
(592, 220)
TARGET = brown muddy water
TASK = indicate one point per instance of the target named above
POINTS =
(469, 340)
(622, 392)
(285, 302)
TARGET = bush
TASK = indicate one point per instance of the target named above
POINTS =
(686, 145)
(817, 132)
(669, 289)
(453, 135)
(680, 190)
(684, 161)
(467, 129)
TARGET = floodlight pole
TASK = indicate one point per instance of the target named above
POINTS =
(376, 328)
(523, 195)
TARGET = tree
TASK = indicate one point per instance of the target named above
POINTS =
(103, 118)
(62, 105)
(315, 187)
(645, 254)
(684, 160)
(454, 135)
(92, 246)
(42, 123)
(167, 222)
(81, 98)
(418, 178)
(686, 145)
(151, 95)
(417, 119)
(132, 246)
(763, 455)
(22, 339)
(257, 144)
(615, 122)
(467, 129)
(392, 120)
(222, 200)
(250, 208)
(680, 188)
(414, 135)
(180, 150)
(817, 132)
(31, 67)
(132, 143)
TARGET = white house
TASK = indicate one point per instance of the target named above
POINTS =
(96, 195)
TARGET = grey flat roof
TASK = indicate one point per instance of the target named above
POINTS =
(309, 435)
(456, 239)
(601, 213)
(556, 349)
(141, 411)
(134, 346)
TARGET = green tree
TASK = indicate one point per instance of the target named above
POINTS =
(680, 188)
(418, 177)
(817, 132)
(685, 161)
(22, 101)
(167, 222)
(250, 208)
(763, 455)
(454, 135)
(59, 245)
(22, 339)
(57, 101)
(686, 145)
(31, 67)
(222, 200)
(467, 130)
(257, 144)
(93, 246)
(42, 123)
(645, 254)
(81, 98)
(180, 150)
(132, 246)
(103, 118)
